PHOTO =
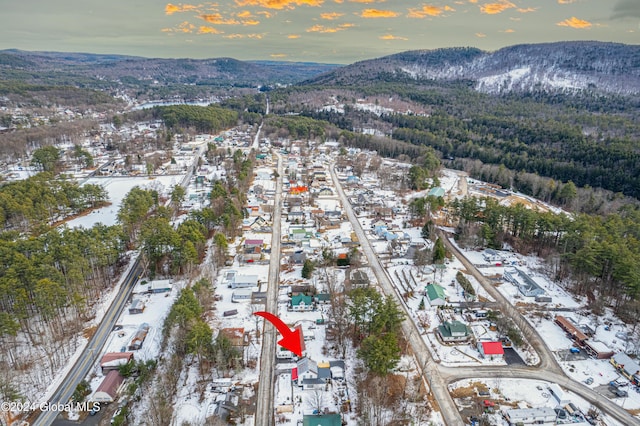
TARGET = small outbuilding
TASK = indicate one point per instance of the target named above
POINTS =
(109, 388)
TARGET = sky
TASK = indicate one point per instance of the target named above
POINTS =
(327, 31)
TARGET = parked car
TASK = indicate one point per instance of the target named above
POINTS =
(574, 350)
(621, 393)
(589, 380)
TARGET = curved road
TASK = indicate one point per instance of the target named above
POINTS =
(264, 405)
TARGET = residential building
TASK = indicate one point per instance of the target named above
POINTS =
(454, 332)
(491, 349)
(302, 303)
(113, 360)
(321, 420)
(436, 294)
(109, 388)
(530, 415)
(241, 295)
(627, 367)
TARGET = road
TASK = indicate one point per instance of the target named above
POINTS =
(547, 369)
(547, 360)
(93, 349)
(429, 367)
(264, 405)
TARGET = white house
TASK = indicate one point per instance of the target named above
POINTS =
(530, 415)
(244, 281)
(241, 295)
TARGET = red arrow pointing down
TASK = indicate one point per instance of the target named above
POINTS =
(290, 338)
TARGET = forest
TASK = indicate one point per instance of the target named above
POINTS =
(589, 139)
(596, 256)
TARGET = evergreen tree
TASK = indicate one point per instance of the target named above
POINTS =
(439, 252)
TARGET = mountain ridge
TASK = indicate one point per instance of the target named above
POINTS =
(576, 65)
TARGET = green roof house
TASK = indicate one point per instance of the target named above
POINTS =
(301, 303)
(454, 331)
(436, 294)
(322, 420)
(436, 192)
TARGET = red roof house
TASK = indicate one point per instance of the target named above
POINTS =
(112, 360)
(491, 349)
(108, 389)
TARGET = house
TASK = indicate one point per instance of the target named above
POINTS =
(626, 366)
(248, 244)
(113, 360)
(322, 298)
(325, 192)
(302, 303)
(358, 278)
(138, 338)
(137, 306)
(298, 257)
(491, 256)
(530, 415)
(527, 286)
(491, 349)
(109, 388)
(309, 375)
(321, 420)
(454, 332)
(244, 281)
(298, 234)
(241, 295)
(260, 224)
(436, 294)
(159, 286)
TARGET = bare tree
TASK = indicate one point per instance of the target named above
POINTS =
(316, 401)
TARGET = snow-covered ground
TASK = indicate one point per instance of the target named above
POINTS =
(118, 187)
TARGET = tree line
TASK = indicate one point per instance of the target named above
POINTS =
(597, 256)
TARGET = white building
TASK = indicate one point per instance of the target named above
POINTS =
(241, 295)
(530, 415)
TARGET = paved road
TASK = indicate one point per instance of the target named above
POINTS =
(548, 368)
(264, 406)
(429, 367)
(93, 349)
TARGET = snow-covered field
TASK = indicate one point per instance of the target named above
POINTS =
(118, 187)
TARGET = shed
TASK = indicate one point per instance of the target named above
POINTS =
(560, 396)
(108, 389)
(137, 306)
(159, 286)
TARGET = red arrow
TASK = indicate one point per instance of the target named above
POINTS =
(290, 338)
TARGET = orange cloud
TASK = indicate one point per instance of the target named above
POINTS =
(278, 55)
(566, 1)
(473, 1)
(249, 22)
(364, 1)
(244, 14)
(429, 10)
(331, 16)
(265, 14)
(236, 36)
(481, 35)
(327, 30)
(376, 13)
(527, 10)
(392, 37)
(185, 27)
(498, 7)
(203, 29)
(293, 36)
(279, 4)
(217, 19)
(574, 22)
(508, 30)
(170, 9)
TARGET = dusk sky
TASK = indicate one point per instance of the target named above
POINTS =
(330, 31)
